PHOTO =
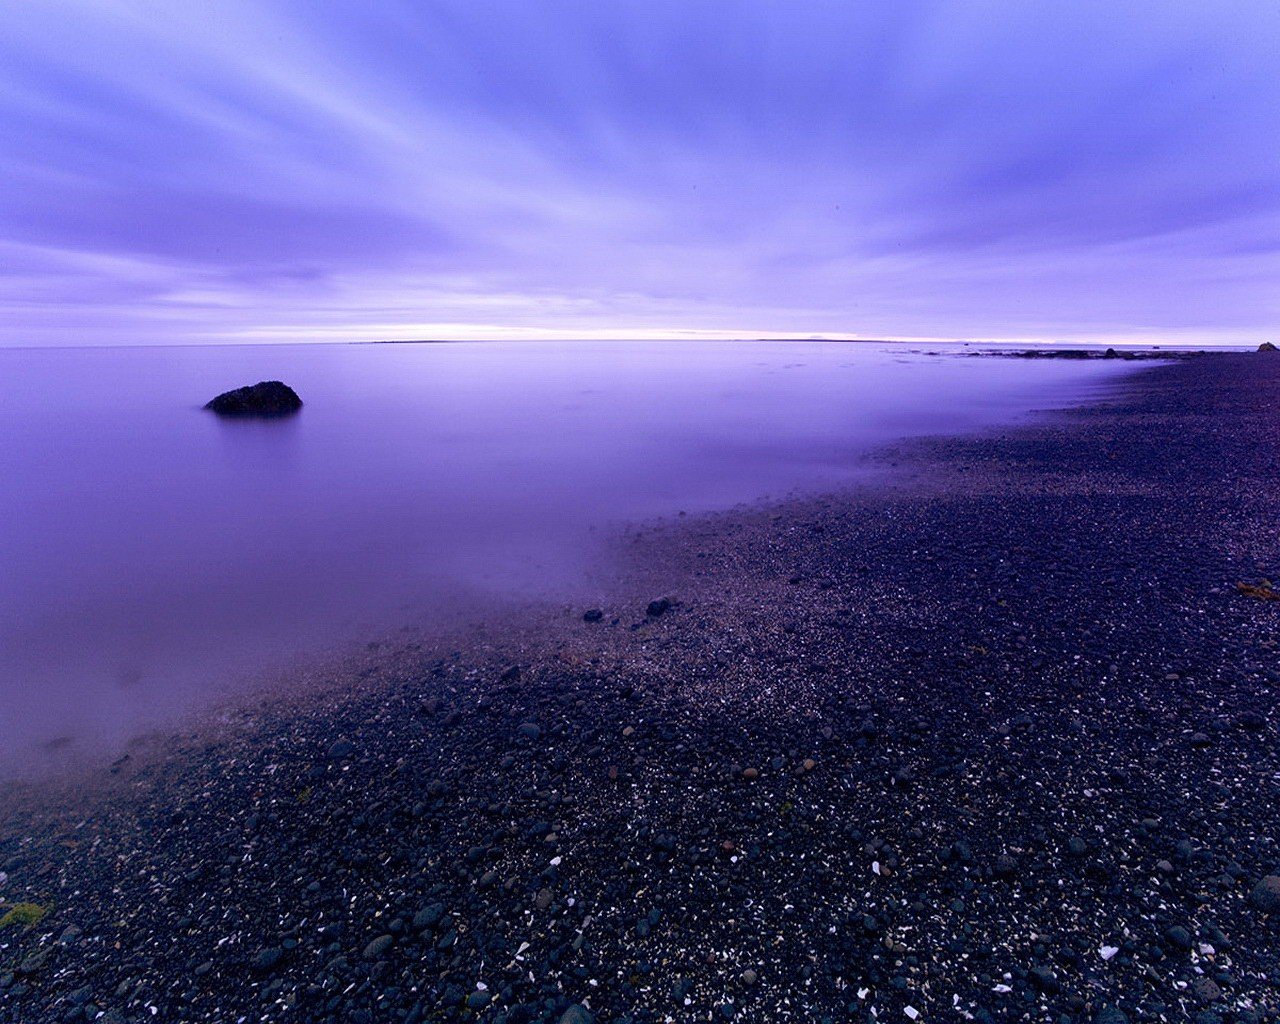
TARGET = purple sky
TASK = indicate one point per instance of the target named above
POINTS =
(260, 171)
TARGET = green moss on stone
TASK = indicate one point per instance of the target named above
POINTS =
(26, 914)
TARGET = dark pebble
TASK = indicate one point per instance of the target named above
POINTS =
(1178, 937)
(378, 947)
(268, 958)
(1266, 895)
(1043, 979)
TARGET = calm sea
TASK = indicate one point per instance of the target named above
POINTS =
(153, 557)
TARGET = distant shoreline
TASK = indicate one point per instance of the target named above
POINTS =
(1063, 350)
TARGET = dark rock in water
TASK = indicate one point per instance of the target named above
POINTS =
(1266, 895)
(659, 607)
(1110, 354)
(266, 398)
(1267, 346)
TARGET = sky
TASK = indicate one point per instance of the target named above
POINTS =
(322, 170)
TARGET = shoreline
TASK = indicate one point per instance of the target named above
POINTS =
(927, 743)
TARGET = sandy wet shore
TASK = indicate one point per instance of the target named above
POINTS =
(997, 743)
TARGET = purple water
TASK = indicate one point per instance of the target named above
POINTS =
(151, 555)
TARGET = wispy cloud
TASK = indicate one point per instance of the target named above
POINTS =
(194, 172)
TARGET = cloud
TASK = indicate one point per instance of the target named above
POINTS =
(177, 172)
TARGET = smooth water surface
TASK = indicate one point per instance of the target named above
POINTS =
(152, 554)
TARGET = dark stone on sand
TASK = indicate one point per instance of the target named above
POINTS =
(266, 398)
(341, 749)
(592, 615)
(961, 852)
(428, 917)
(1178, 938)
(378, 946)
(576, 1014)
(1266, 895)
(1005, 866)
(1267, 346)
(267, 959)
(658, 607)
(1110, 1015)
(34, 962)
(1043, 979)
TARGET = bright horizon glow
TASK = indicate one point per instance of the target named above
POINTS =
(1074, 172)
